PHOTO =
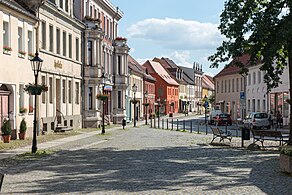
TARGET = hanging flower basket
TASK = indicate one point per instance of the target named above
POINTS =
(35, 89)
(102, 97)
(134, 101)
(146, 104)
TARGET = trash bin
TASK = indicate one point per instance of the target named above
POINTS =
(245, 133)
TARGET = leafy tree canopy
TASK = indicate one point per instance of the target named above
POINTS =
(260, 28)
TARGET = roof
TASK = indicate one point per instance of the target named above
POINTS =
(19, 6)
(171, 68)
(207, 84)
(189, 72)
(138, 68)
(156, 68)
(231, 68)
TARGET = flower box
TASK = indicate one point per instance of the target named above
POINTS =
(30, 55)
(7, 49)
(21, 54)
(22, 110)
(102, 97)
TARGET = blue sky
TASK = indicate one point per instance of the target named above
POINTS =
(185, 31)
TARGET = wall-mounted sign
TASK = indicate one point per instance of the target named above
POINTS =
(58, 64)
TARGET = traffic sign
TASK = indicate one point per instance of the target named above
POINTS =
(242, 95)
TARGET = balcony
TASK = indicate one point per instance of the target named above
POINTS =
(92, 72)
(121, 79)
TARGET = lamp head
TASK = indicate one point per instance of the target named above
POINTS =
(36, 64)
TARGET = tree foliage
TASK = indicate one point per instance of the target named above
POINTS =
(262, 29)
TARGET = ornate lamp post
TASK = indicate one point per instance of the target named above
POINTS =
(206, 104)
(36, 66)
(103, 98)
(134, 89)
(146, 105)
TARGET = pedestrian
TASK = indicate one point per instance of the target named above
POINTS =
(279, 119)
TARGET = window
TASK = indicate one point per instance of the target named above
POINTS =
(21, 96)
(61, 4)
(58, 44)
(259, 105)
(77, 49)
(29, 41)
(90, 98)
(241, 84)
(30, 104)
(248, 105)
(253, 105)
(225, 86)
(6, 34)
(218, 87)
(43, 94)
(70, 46)
(89, 53)
(259, 77)
(51, 42)
(229, 86)
(119, 65)
(20, 39)
(64, 90)
(119, 99)
(264, 105)
(221, 86)
(254, 77)
(64, 43)
(237, 84)
(44, 35)
(77, 93)
(249, 79)
(69, 92)
(66, 5)
(51, 90)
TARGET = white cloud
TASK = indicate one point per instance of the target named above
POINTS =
(181, 58)
(177, 34)
(142, 60)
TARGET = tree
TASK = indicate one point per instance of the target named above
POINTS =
(262, 29)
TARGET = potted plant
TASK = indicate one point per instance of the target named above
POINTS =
(6, 131)
(31, 55)
(22, 110)
(286, 159)
(22, 129)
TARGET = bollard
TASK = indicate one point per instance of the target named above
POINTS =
(167, 124)
(199, 128)
(177, 124)
(191, 124)
(1, 180)
(162, 123)
(151, 122)
(172, 124)
(184, 125)
(158, 122)
(154, 122)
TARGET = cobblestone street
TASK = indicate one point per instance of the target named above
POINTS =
(148, 161)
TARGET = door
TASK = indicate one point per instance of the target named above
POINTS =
(4, 105)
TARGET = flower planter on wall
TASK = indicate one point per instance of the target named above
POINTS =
(286, 163)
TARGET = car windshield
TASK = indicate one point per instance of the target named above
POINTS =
(261, 115)
(223, 115)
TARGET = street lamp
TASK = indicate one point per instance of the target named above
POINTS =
(134, 88)
(103, 82)
(206, 104)
(36, 66)
(146, 105)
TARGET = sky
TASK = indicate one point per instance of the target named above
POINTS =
(182, 30)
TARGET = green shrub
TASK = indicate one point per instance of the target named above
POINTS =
(287, 150)
(23, 127)
(6, 127)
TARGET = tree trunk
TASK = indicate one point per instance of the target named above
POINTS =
(290, 85)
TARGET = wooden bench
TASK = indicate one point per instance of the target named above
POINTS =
(219, 133)
(262, 135)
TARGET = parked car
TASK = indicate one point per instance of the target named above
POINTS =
(257, 120)
(223, 119)
(213, 115)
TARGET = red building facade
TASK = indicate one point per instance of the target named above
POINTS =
(166, 88)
